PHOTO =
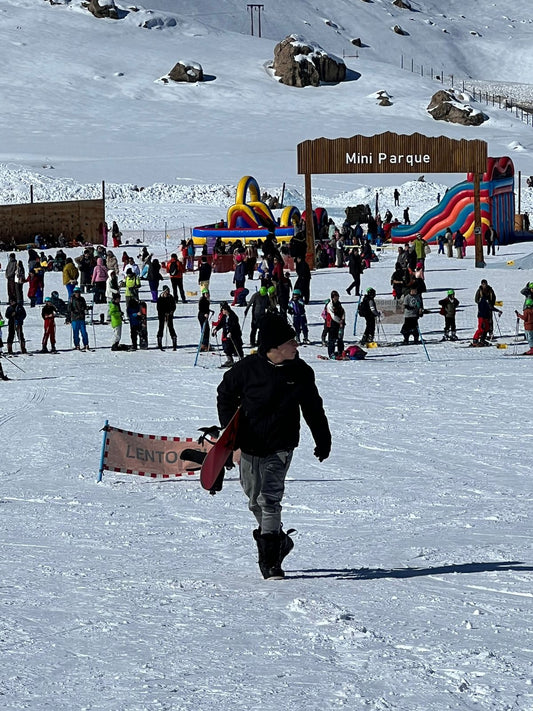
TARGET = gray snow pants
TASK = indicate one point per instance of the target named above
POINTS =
(263, 481)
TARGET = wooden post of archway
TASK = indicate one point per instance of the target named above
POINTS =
(392, 153)
(309, 223)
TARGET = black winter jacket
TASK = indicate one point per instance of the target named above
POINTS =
(271, 397)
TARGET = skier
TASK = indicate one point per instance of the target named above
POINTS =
(368, 310)
(48, 313)
(166, 305)
(527, 318)
(115, 318)
(484, 319)
(486, 290)
(448, 309)
(271, 387)
(176, 270)
(15, 315)
(296, 309)
(77, 311)
(228, 323)
(204, 314)
(413, 310)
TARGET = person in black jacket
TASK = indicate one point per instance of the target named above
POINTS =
(166, 305)
(271, 387)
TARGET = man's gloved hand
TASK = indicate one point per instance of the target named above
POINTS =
(322, 452)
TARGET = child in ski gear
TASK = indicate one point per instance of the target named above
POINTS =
(413, 310)
(15, 315)
(368, 310)
(59, 304)
(133, 284)
(115, 317)
(133, 311)
(527, 292)
(166, 305)
(271, 387)
(486, 290)
(77, 311)
(335, 320)
(484, 318)
(48, 313)
(527, 318)
(228, 323)
(239, 296)
(448, 309)
(296, 309)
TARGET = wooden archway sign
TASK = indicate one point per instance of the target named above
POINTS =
(392, 153)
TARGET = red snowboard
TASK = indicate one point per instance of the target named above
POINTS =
(213, 465)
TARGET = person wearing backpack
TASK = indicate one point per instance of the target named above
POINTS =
(367, 309)
(176, 269)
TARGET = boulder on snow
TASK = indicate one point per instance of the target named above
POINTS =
(298, 62)
(403, 4)
(399, 30)
(103, 8)
(450, 106)
(186, 71)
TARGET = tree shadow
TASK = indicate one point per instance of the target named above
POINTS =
(376, 573)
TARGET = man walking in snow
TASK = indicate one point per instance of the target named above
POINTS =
(271, 387)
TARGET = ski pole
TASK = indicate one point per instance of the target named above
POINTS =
(423, 342)
(12, 362)
(202, 334)
(498, 325)
(357, 313)
(517, 330)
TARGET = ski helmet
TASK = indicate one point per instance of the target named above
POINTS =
(451, 292)
(48, 298)
(371, 291)
(263, 291)
(529, 303)
(530, 284)
(296, 292)
(271, 290)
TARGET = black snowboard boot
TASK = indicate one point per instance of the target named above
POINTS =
(287, 544)
(269, 549)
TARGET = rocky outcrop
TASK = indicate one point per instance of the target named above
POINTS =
(403, 4)
(301, 63)
(103, 8)
(452, 107)
(186, 71)
(399, 30)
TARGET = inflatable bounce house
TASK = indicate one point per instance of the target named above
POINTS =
(249, 218)
(456, 209)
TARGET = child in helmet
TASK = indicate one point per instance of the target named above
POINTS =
(448, 308)
(48, 314)
(368, 310)
(296, 308)
(527, 318)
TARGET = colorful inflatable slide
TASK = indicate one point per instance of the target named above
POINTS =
(249, 217)
(456, 209)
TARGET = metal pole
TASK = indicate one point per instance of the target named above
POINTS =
(480, 262)
(102, 455)
(309, 223)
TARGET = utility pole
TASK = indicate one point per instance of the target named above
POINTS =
(253, 7)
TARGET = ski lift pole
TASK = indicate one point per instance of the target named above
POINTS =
(422, 340)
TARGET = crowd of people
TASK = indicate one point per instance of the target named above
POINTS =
(98, 276)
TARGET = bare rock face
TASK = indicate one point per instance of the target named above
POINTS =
(103, 8)
(403, 4)
(301, 63)
(451, 106)
(186, 71)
